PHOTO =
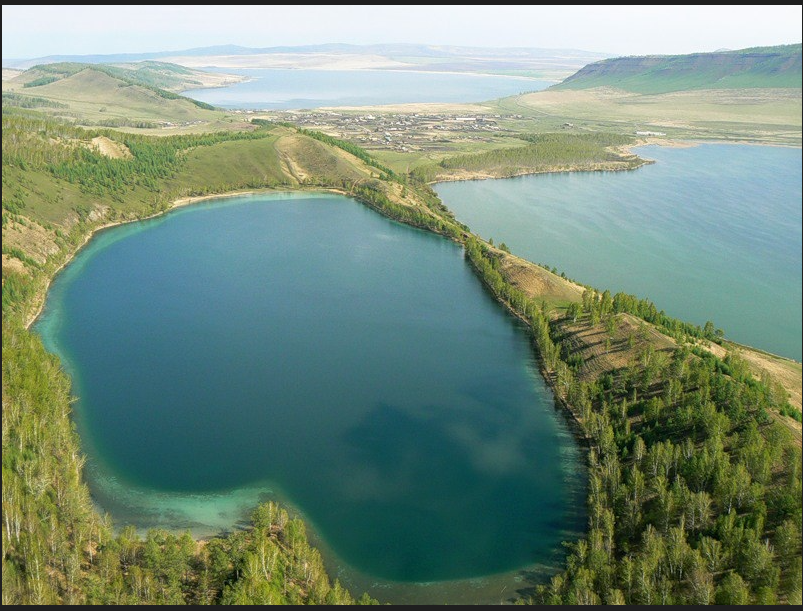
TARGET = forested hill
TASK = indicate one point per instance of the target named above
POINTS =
(758, 67)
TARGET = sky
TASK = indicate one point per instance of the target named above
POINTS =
(36, 31)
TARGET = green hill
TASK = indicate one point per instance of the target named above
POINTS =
(154, 75)
(141, 95)
(758, 67)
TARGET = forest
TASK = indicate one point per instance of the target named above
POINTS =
(550, 152)
(694, 490)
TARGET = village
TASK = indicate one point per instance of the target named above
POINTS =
(407, 132)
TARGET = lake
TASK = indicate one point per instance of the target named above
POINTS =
(285, 89)
(711, 232)
(302, 347)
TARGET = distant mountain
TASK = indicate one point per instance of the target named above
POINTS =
(117, 58)
(395, 51)
(757, 67)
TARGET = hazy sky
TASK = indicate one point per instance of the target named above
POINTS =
(35, 31)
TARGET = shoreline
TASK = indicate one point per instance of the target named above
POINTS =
(683, 143)
(245, 79)
(388, 69)
(177, 203)
(180, 202)
(604, 166)
(477, 175)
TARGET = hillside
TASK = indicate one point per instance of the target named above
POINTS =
(155, 75)
(760, 67)
(136, 95)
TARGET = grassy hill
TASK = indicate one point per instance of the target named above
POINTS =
(136, 95)
(759, 67)
(152, 74)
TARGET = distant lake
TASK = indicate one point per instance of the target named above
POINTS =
(711, 232)
(304, 348)
(286, 89)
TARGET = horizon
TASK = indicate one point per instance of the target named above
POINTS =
(31, 32)
(389, 44)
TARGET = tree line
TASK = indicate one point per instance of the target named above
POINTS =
(543, 153)
(694, 489)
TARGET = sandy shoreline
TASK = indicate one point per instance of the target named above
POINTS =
(686, 144)
(478, 175)
(336, 63)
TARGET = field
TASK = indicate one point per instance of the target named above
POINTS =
(767, 116)
(408, 137)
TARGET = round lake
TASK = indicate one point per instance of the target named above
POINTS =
(302, 347)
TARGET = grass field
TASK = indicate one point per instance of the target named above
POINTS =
(762, 116)
(770, 116)
(755, 116)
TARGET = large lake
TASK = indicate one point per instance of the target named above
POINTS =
(304, 348)
(711, 232)
(285, 88)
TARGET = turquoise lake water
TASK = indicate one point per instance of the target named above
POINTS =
(711, 232)
(303, 348)
(284, 88)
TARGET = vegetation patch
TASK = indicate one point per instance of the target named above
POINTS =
(551, 152)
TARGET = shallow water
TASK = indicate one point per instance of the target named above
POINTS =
(285, 88)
